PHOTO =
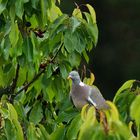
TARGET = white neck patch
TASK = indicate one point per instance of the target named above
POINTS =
(81, 84)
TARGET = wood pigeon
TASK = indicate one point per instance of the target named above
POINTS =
(82, 94)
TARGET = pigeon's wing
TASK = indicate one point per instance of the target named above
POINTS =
(95, 98)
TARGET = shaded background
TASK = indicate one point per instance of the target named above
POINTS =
(116, 58)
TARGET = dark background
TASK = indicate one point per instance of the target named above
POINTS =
(116, 58)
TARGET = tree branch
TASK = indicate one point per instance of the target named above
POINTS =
(32, 81)
(13, 86)
(41, 71)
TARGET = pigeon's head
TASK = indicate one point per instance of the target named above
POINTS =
(74, 76)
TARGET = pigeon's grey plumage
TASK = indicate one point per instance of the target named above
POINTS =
(82, 94)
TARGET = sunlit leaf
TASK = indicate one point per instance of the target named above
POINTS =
(89, 125)
(92, 12)
(113, 111)
(12, 112)
(135, 110)
(77, 13)
(54, 12)
(84, 112)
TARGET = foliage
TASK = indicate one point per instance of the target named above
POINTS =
(39, 46)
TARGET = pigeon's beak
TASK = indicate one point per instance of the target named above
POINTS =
(69, 77)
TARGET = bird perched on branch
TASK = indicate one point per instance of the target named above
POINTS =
(82, 94)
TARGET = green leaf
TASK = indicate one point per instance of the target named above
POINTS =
(63, 71)
(14, 34)
(12, 13)
(124, 98)
(135, 110)
(58, 134)
(50, 92)
(89, 125)
(74, 41)
(7, 68)
(3, 4)
(34, 3)
(54, 12)
(93, 32)
(74, 59)
(6, 49)
(92, 12)
(59, 21)
(19, 8)
(36, 114)
(44, 132)
(81, 45)
(126, 85)
(74, 23)
(49, 71)
(69, 41)
(86, 56)
(13, 130)
(20, 109)
(22, 72)
(31, 132)
(28, 49)
(123, 102)
(77, 13)
(9, 130)
(43, 10)
(18, 129)
(12, 112)
(88, 17)
(72, 132)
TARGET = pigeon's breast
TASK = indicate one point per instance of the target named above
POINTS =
(79, 96)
